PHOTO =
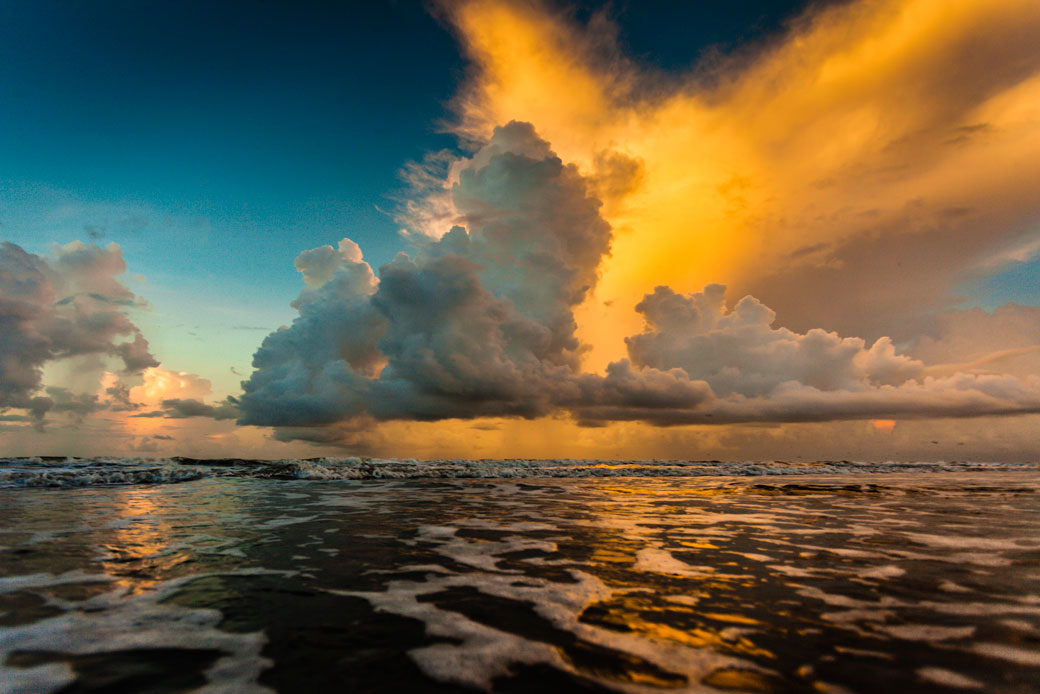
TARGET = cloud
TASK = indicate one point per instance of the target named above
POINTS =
(118, 393)
(70, 304)
(77, 404)
(176, 408)
(480, 324)
(759, 373)
(961, 395)
(158, 384)
(171, 395)
(738, 352)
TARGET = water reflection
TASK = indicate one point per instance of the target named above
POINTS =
(590, 585)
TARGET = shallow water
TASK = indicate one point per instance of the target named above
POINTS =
(860, 579)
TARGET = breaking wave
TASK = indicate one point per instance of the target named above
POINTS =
(87, 472)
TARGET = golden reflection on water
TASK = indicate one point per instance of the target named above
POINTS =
(631, 521)
(142, 543)
(735, 618)
(685, 491)
(696, 545)
(738, 679)
(613, 556)
(141, 534)
(642, 615)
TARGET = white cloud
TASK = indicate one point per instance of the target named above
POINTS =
(738, 352)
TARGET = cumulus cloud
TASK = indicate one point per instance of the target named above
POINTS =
(69, 304)
(168, 394)
(738, 352)
(480, 323)
(158, 384)
(767, 374)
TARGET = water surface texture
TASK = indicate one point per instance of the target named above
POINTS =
(515, 576)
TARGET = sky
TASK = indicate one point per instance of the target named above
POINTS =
(492, 228)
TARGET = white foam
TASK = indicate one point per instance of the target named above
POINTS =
(113, 621)
(864, 653)
(980, 609)
(858, 615)
(35, 680)
(948, 678)
(793, 571)
(1018, 656)
(844, 552)
(925, 632)
(756, 557)
(845, 601)
(882, 572)
(661, 561)
(1020, 625)
(480, 554)
(11, 584)
(486, 653)
(285, 520)
(964, 542)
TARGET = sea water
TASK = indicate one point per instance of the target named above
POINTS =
(354, 574)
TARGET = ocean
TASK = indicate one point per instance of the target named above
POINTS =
(361, 575)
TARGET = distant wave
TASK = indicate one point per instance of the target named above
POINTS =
(86, 472)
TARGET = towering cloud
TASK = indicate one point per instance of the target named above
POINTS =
(479, 323)
(70, 304)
